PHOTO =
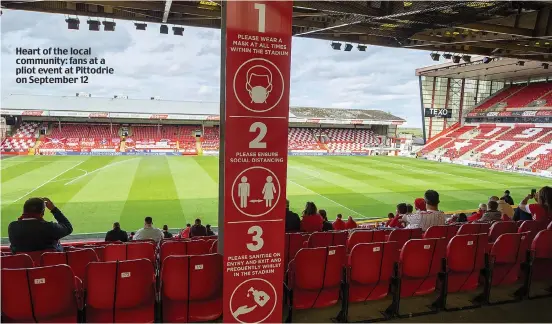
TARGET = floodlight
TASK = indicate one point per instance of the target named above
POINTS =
(109, 25)
(140, 26)
(93, 25)
(348, 47)
(466, 58)
(336, 46)
(456, 59)
(435, 56)
(487, 60)
(178, 31)
(447, 56)
(164, 29)
(362, 48)
(545, 66)
(72, 23)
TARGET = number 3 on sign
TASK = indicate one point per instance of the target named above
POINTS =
(258, 242)
(262, 15)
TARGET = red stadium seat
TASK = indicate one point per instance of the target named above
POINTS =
(120, 291)
(541, 256)
(474, 228)
(214, 247)
(130, 251)
(46, 294)
(441, 231)
(401, 236)
(294, 242)
(171, 248)
(370, 268)
(465, 259)
(115, 252)
(549, 226)
(16, 261)
(100, 251)
(364, 236)
(191, 288)
(77, 260)
(499, 228)
(198, 247)
(507, 253)
(323, 239)
(35, 255)
(314, 277)
(532, 228)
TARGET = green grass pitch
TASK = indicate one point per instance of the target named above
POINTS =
(96, 191)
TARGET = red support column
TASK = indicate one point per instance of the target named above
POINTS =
(258, 56)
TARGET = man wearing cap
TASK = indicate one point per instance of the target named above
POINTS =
(509, 200)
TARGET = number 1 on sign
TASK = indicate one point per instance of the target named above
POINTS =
(262, 15)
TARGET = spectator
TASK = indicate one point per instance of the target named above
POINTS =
(116, 234)
(209, 231)
(476, 216)
(409, 209)
(396, 222)
(542, 210)
(326, 225)
(312, 221)
(507, 198)
(457, 218)
(338, 224)
(131, 237)
(503, 207)
(390, 217)
(186, 232)
(351, 224)
(431, 217)
(198, 229)
(420, 204)
(293, 222)
(166, 233)
(492, 214)
(32, 233)
(148, 232)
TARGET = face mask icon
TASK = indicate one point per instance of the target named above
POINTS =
(259, 83)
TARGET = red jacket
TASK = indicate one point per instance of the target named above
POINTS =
(185, 233)
(475, 217)
(312, 223)
(338, 225)
(350, 224)
(395, 222)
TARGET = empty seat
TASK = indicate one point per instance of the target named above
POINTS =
(474, 228)
(120, 291)
(35, 255)
(171, 248)
(532, 228)
(17, 261)
(364, 236)
(370, 268)
(198, 247)
(76, 259)
(293, 243)
(314, 277)
(499, 228)
(436, 231)
(420, 262)
(130, 251)
(45, 294)
(507, 253)
(191, 288)
(401, 236)
(323, 239)
(541, 256)
(465, 259)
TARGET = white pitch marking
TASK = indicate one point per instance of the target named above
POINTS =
(335, 202)
(45, 183)
(104, 167)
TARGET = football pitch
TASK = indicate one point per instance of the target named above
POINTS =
(95, 191)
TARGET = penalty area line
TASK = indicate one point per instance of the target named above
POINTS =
(99, 169)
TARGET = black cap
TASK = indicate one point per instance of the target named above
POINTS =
(507, 192)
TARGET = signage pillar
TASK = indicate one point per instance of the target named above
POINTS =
(257, 76)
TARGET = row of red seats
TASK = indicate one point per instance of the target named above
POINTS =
(372, 271)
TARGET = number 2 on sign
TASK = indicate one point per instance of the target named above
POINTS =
(257, 141)
(262, 15)
(258, 244)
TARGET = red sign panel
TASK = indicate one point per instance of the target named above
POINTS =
(258, 49)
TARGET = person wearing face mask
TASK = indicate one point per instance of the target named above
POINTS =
(259, 83)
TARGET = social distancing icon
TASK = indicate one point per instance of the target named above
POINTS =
(253, 301)
(256, 191)
(258, 85)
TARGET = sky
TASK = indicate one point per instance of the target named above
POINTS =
(147, 64)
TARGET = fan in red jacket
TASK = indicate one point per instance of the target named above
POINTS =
(312, 221)
(339, 224)
(350, 223)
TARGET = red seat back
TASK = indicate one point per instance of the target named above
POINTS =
(115, 252)
(532, 228)
(370, 269)
(364, 236)
(171, 248)
(401, 236)
(16, 261)
(140, 250)
(79, 259)
(420, 262)
(198, 247)
(315, 275)
(191, 288)
(35, 255)
(541, 251)
(549, 226)
(214, 247)
(499, 228)
(320, 239)
(506, 254)
(53, 258)
(474, 228)
(436, 231)
(120, 291)
(294, 242)
(465, 258)
(45, 294)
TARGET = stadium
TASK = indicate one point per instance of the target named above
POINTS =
(486, 127)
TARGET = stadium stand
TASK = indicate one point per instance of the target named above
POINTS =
(211, 139)
(22, 140)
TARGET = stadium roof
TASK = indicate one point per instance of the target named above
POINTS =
(515, 29)
(499, 69)
(21, 102)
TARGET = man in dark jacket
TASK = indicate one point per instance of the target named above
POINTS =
(209, 230)
(116, 234)
(32, 233)
(326, 226)
(293, 222)
(198, 229)
(507, 198)
(166, 233)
